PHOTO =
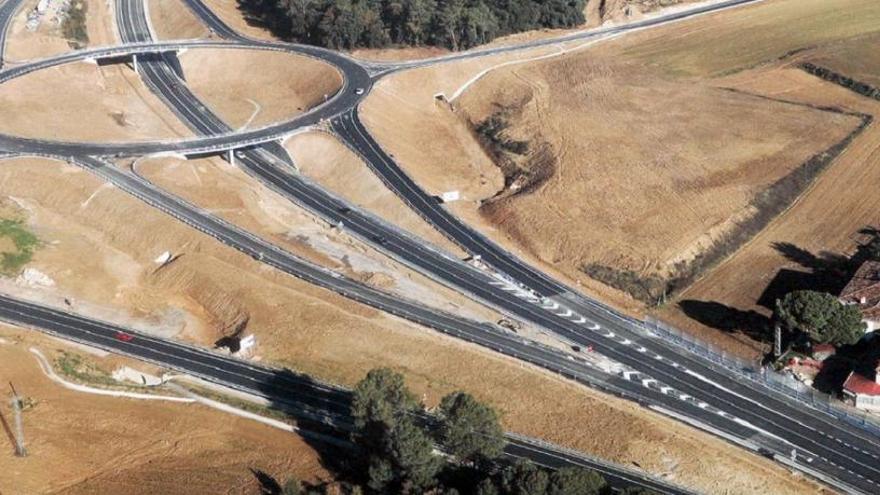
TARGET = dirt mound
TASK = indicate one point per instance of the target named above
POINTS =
(226, 314)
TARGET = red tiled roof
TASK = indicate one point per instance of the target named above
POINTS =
(859, 385)
(865, 286)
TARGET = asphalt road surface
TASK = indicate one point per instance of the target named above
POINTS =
(658, 373)
(315, 405)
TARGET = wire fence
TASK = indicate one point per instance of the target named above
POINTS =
(784, 383)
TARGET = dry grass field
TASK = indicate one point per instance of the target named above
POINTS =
(102, 258)
(632, 158)
(324, 159)
(858, 58)
(87, 444)
(259, 87)
(791, 253)
(172, 20)
(229, 193)
(85, 102)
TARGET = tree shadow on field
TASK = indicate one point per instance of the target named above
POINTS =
(268, 484)
(322, 415)
(728, 319)
(829, 272)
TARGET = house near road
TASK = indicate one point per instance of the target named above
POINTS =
(862, 392)
(864, 290)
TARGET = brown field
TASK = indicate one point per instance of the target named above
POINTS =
(85, 102)
(258, 87)
(823, 224)
(229, 193)
(106, 445)
(331, 164)
(172, 20)
(47, 39)
(228, 11)
(744, 37)
(99, 245)
(639, 158)
(857, 58)
(691, 161)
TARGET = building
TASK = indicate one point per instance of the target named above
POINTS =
(862, 392)
(821, 352)
(864, 290)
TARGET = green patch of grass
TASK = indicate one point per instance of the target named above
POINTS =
(75, 367)
(24, 241)
(74, 26)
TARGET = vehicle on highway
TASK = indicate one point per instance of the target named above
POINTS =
(124, 337)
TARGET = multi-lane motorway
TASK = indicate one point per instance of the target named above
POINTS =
(316, 405)
(658, 374)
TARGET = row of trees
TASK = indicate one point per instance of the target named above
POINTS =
(455, 451)
(455, 24)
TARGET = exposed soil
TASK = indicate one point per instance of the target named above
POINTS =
(548, 105)
(85, 102)
(253, 88)
(47, 39)
(229, 193)
(330, 163)
(105, 445)
(172, 20)
(334, 339)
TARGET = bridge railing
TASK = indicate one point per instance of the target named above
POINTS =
(783, 383)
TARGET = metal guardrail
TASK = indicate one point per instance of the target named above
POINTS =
(783, 383)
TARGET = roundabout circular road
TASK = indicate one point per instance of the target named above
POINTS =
(354, 76)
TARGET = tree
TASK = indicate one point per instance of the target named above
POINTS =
(576, 481)
(486, 487)
(524, 478)
(400, 456)
(412, 454)
(821, 316)
(381, 397)
(291, 487)
(469, 429)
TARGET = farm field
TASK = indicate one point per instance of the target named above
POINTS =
(822, 227)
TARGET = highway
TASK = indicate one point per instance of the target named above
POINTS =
(315, 405)
(660, 374)
(697, 381)
(7, 11)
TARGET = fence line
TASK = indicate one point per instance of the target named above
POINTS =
(783, 383)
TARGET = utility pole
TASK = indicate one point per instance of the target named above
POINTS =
(777, 341)
(19, 429)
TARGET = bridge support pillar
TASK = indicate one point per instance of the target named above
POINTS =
(230, 157)
(134, 64)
